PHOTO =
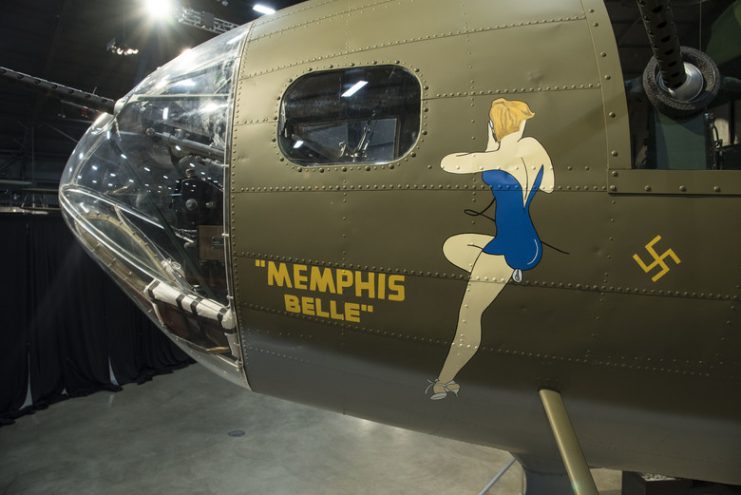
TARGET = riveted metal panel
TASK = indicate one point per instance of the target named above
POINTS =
(478, 13)
(315, 220)
(615, 109)
(564, 325)
(573, 151)
(414, 323)
(388, 25)
(538, 69)
(676, 182)
(263, 110)
(654, 343)
(682, 317)
(412, 204)
(291, 47)
(690, 229)
(314, 16)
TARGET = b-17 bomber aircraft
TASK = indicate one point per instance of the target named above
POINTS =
(462, 217)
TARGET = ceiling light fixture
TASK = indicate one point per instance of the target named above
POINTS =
(263, 9)
(121, 48)
(160, 9)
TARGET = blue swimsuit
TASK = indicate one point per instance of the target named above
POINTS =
(516, 238)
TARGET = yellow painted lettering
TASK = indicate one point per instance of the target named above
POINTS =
(278, 275)
(381, 286)
(321, 280)
(292, 303)
(352, 312)
(368, 286)
(333, 311)
(299, 277)
(307, 306)
(397, 291)
(319, 311)
(344, 280)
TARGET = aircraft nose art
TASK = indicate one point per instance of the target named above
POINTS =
(143, 192)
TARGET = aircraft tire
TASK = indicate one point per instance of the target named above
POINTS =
(674, 107)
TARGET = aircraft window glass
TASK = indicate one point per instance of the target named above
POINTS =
(358, 115)
(148, 183)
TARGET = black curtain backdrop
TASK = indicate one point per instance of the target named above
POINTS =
(64, 323)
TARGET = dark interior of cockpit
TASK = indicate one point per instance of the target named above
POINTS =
(364, 115)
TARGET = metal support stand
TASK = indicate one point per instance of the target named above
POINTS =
(568, 444)
(546, 483)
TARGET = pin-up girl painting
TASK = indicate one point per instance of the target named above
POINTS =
(515, 168)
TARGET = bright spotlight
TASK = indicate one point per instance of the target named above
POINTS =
(160, 9)
(263, 9)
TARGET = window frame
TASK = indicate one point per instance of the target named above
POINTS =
(282, 119)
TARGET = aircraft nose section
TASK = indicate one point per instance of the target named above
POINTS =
(144, 193)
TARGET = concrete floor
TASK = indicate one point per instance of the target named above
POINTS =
(171, 435)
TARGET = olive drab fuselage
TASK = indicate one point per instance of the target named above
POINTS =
(476, 242)
(637, 360)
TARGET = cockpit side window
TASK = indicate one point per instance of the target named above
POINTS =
(365, 115)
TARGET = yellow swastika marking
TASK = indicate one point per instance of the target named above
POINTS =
(658, 260)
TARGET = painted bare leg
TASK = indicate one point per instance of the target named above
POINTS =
(489, 276)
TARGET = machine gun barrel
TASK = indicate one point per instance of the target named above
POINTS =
(91, 100)
(658, 19)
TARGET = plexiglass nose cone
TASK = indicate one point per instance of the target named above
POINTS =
(144, 192)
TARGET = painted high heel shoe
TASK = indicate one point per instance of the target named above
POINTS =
(449, 387)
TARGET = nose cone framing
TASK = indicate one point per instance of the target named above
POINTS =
(144, 193)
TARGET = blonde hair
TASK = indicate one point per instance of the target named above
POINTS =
(506, 116)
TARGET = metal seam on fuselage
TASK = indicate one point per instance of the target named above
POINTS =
(461, 94)
(707, 296)
(320, 19)
(291, 11)
(395, 187)
(229, 176)
(546, 89)
(410, 41)
(605, 364)
(277, 354)
(366, 331)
